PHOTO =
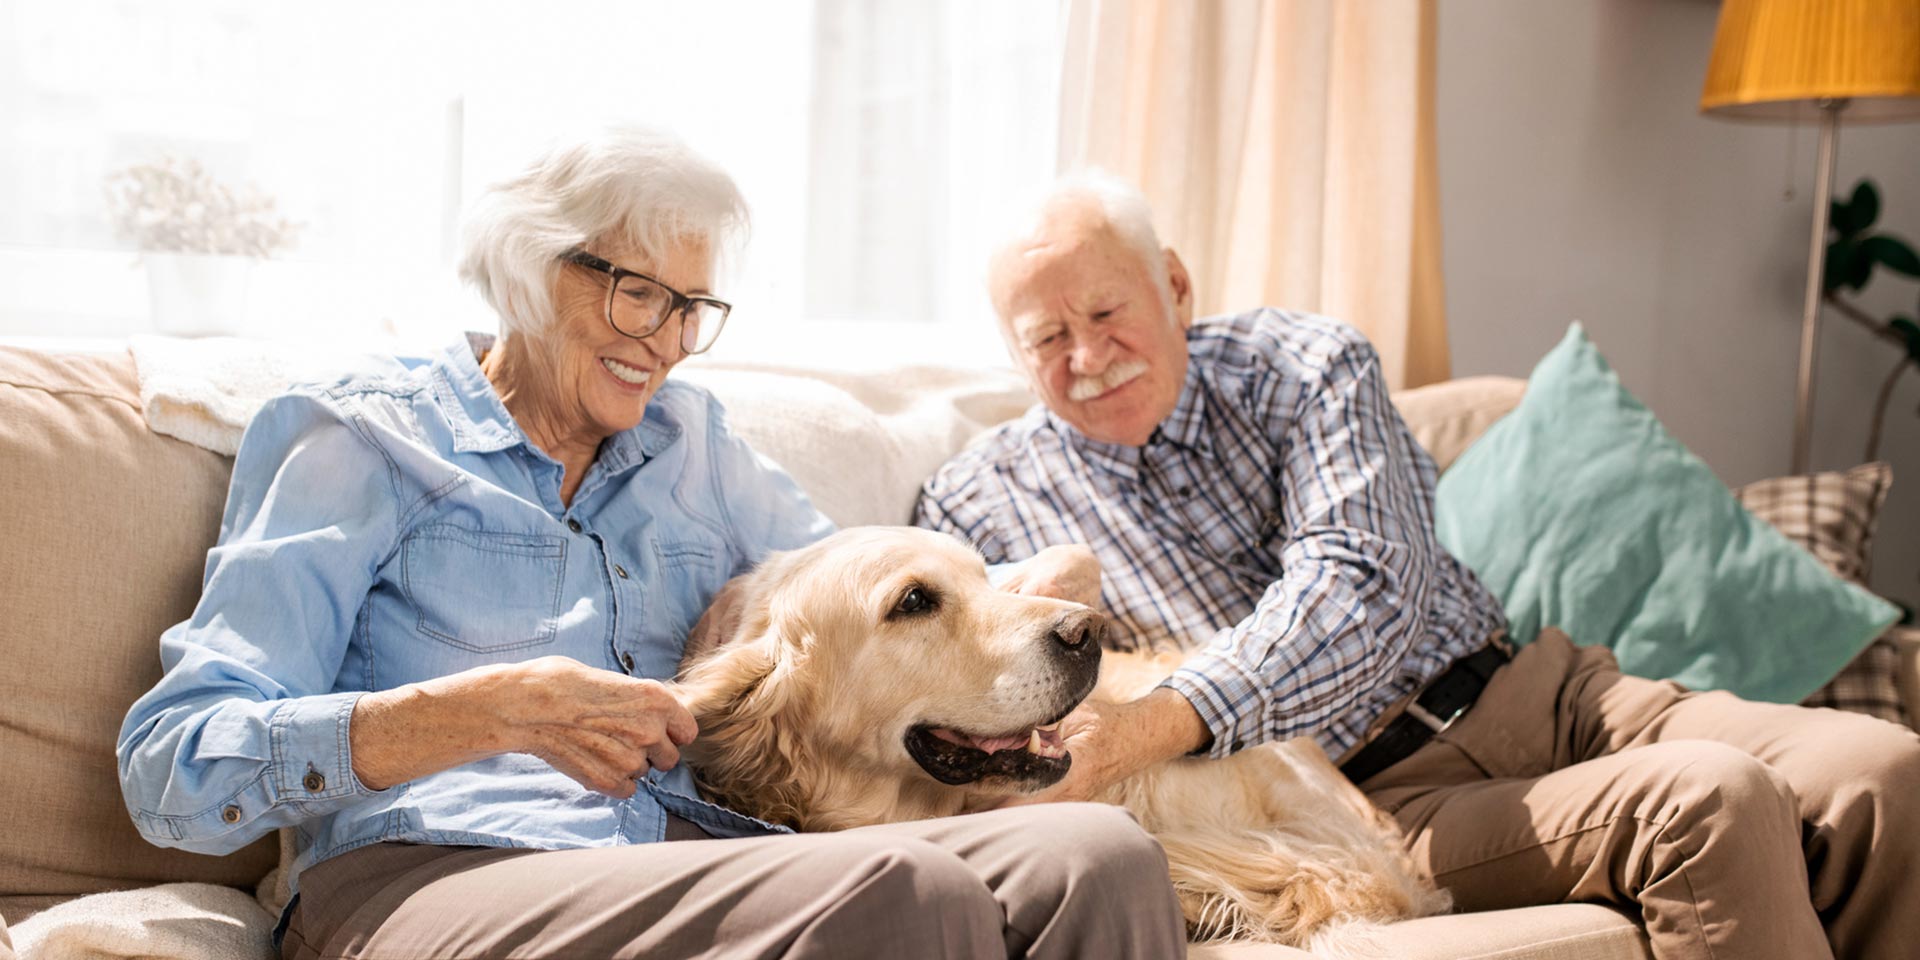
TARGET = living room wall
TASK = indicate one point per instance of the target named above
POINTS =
(1579, 181)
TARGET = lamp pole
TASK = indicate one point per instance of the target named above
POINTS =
(1810, 309)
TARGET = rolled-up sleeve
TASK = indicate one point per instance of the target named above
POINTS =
(1357, 572)
(245, 732)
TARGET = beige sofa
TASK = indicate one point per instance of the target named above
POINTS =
(105, 525)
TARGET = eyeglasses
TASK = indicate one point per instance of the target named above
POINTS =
(638, 305)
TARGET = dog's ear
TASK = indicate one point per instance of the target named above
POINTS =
(736, 656)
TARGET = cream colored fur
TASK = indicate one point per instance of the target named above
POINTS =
(804, 688)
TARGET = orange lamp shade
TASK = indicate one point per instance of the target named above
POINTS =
(1772, 59)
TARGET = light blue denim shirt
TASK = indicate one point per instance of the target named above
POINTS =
(390, 529)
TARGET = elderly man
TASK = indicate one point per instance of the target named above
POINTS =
(1253, 497)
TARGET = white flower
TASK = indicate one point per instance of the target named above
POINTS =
(172, 204)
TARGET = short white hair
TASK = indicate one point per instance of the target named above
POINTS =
(1120, 204)
(638, 186)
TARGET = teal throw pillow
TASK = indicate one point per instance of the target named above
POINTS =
(1581, 512)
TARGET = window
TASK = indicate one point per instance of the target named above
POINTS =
(868, 136)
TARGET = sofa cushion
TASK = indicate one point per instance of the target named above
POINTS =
(1448, 417)
(1834, 515)
(861, 443)
(1580, 511)
(1567, 931)
(107, 527)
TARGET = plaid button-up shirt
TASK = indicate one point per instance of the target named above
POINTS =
(1278, 524)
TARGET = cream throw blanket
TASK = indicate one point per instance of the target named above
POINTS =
(205, 391)
(174, 921)
(187, 921)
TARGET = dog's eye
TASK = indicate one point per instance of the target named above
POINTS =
(916, 600)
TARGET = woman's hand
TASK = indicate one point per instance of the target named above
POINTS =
(602, 729)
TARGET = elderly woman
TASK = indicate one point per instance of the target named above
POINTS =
(435, 630)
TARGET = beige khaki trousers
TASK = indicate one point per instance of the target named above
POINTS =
(1052, 881)
(1734, 830)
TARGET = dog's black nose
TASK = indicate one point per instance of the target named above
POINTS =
(1079, 629)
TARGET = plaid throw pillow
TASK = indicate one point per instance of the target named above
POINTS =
(1833, 515)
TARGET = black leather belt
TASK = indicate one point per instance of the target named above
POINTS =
(1444, 699)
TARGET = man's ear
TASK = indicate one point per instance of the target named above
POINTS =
(1182, 289)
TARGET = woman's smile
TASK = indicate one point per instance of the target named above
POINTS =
(627, 376)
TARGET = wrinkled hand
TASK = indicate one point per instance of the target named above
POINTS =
(1098, 761)
(601, 728)
(1110, 742)
(1065, 572)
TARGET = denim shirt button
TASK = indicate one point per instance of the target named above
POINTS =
(622, 571)
(314, 782)
(573, 525)
(626, 660)
(231, 814)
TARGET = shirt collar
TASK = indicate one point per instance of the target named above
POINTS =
(482, 424)
(1185, 427)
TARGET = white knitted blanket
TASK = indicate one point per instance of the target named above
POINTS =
(859, 443)
(176, 921)
(206, 390)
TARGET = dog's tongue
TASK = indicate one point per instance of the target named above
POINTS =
(995, 744)
(988, 744)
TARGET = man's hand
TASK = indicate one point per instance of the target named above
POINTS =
(1065, 572)
(1113, 741)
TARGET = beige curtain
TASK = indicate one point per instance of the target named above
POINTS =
(1287, 147)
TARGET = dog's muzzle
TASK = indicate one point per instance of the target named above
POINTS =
(1031, 757)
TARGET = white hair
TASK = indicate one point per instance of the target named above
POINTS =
(1120, 204)
(636, 186)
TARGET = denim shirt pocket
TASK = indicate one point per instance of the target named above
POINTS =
(692, 571)
(484, 591)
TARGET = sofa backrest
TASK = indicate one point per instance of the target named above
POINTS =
(106, 527)
(861, 444)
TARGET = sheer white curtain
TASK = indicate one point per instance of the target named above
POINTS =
(865, 135)
(1287, 147)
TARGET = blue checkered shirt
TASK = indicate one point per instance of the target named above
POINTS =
(1278, 524)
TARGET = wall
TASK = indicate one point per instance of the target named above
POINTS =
(1579, 181)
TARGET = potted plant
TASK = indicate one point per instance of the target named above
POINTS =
(1854, 250)
(197, 238)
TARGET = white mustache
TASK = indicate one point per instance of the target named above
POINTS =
(1086, 388)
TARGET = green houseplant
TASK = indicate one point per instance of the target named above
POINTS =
(1854, 251)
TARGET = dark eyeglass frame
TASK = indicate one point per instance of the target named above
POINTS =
(677, 305)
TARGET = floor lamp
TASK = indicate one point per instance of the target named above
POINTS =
(1788, 60)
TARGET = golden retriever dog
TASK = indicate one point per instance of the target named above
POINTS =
(876, 676)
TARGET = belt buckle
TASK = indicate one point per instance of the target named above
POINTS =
(1430, 719)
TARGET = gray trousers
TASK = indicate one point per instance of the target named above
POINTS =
(1057, 880)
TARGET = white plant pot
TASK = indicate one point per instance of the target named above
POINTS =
(197, 294)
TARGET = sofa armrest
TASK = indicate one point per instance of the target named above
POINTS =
(1906, 647)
